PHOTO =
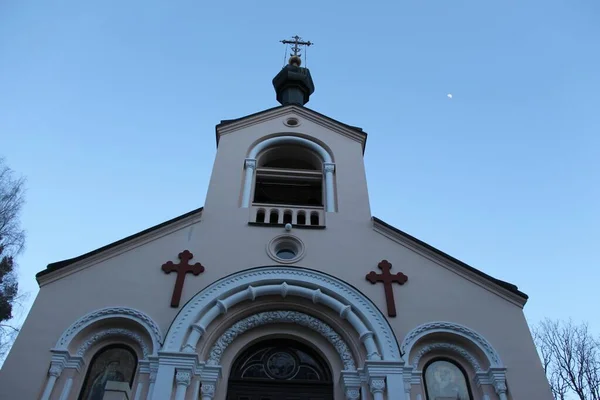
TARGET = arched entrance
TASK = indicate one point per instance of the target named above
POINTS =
(280, 369)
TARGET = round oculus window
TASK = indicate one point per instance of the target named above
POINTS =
(285, 249)
(286, 254)
(292, 122)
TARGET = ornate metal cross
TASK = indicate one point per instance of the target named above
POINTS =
(387, 278)
(296, 42)
(182, 269)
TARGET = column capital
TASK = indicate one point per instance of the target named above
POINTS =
(208, 388)
(328, 167)
(250, 163)
(353, 393)
(377, 385)
(153, 372)
(183, 377)
(55, 369)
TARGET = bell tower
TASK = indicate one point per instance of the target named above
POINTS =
(289, 164)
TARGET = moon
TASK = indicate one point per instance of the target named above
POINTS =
(449, 95)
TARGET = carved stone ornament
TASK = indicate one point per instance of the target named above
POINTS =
(353, 394)
(198, 305)
(274, 317)
(500, 387)
(328, 167)
(448, 347)
(250, 163)
(96, 337)
(208, 389)
(183, 377)
(451, 327)
(153, 373)
(106, 313)
(377, 385)
(55, 370)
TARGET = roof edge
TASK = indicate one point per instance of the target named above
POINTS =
(64, 263)
(503, 284)
(355, 129)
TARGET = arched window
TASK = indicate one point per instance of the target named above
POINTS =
(274, 369)
(112, 363)
(290, 175)
(445, 380)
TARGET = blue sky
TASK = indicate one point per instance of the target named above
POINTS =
(108, 108)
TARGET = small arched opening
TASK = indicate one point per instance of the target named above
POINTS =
(289, 175)
(280, 369)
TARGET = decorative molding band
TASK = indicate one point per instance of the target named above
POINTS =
(108, 313)
(286, 139)
(306, 114)
(283, 290)
(237, 287)
(273, 317)
(92, 339)
(449, 327)
(448, 347)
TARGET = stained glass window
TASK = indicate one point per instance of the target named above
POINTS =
(112, 363)
(280, 360)
(444, 380)
(280, 369)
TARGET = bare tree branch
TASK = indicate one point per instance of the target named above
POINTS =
(571, 359)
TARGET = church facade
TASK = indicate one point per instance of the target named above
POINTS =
(282, 287)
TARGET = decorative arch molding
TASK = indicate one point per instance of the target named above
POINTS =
(113, 332)
(288, 139)
(350, 304)
(447, 347)
(449, 327)
(289, 317)
(108, 313)
(328, 166)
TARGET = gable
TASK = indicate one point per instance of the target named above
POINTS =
(65, 263)
(504, 288)
(353, 132)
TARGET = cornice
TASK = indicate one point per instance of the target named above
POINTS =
(303, 112)
(449, 264)
(107, 254)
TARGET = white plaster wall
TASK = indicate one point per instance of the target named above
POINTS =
(224, 243)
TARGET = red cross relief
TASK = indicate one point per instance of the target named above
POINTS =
(387, 278)
(182, 269)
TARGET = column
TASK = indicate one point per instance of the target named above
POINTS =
(53, 374)
(250, 166)
(163, 385)
(183, 378)
(328, 168)
(196, 389)
(498, 378)
(138, 391)
(67, 389)
(151, 380)
(377, 386)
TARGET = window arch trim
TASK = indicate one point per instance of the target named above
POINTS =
(328, 166)
(294, 140)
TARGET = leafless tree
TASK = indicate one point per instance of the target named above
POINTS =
(12, 241)
(571, 359)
